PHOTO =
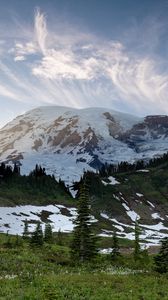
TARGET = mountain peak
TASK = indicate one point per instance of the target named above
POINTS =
(67, 140)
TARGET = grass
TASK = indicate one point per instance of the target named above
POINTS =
(48, 273)
(76, 286)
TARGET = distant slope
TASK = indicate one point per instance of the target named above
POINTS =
(141, 195)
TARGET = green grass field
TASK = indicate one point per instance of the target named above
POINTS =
(86, 286)
(48, 273)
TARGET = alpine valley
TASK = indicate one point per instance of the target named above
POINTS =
(66, 142)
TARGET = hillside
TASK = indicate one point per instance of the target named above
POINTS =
(117, 201)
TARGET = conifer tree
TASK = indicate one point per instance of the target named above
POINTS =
(83, 247)
(59, 238)
(161, 260)
(48, 234)
(37, 236)
(8, 243)
(145, 260)
(115, 254)
(16, 169)
(137, 248)
(18, 241)
(26, 230)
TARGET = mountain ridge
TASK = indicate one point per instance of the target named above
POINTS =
(67, 140)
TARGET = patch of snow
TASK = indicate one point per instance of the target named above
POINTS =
(73, 193)
(131, 213)
(157, 227)
(143, 171)
(156, 216)
(151, 204)
(116, 197)
(125, 206)
(150, 233)
(139, 195)
(112, 181)
(104, 182)
(146, 245)
(12, 218)
(106, 251)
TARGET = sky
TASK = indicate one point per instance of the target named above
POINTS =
(83, 53)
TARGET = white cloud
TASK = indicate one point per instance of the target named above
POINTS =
(40, 28)
(6, 92)
(19, 58)
(22, 50)
(70, 67)
(66, 65)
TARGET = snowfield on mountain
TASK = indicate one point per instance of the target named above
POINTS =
(67, 141)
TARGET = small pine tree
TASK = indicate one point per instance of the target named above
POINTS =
(48, 234)
(145, 260)
(8, 243)
(25, 230)
(161, 260)
(59, 238)
(115, 254)
(18, 241)
(137, 248)
(37, 236)
(83, 247)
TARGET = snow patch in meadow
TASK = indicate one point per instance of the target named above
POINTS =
(157, 216)
(106, 251)
(12, 218)
(139, 195)
(131, 213)
(112, 181)
(150, 233)
(143, 171)
(151, 204)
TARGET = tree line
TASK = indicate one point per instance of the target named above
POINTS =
(125, 166)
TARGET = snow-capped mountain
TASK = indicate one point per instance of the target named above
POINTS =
(66, 140)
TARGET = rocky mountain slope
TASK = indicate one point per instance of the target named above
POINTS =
(66, 141)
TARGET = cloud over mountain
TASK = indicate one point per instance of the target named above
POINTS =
(74, 67)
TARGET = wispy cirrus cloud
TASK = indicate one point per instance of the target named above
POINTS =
(40, 29)
(76, 68)
(21, 51)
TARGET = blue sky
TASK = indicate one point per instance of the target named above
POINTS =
(83, 53)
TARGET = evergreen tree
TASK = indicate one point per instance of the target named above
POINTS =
(26, 230)
(16, 169)
(145, 260)
(37, 236)
(137, 248)
(59, 238)
(8, 243)
(115, 254)
(161, 260)
(18, 241)
(48, 234)
(83, 247)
